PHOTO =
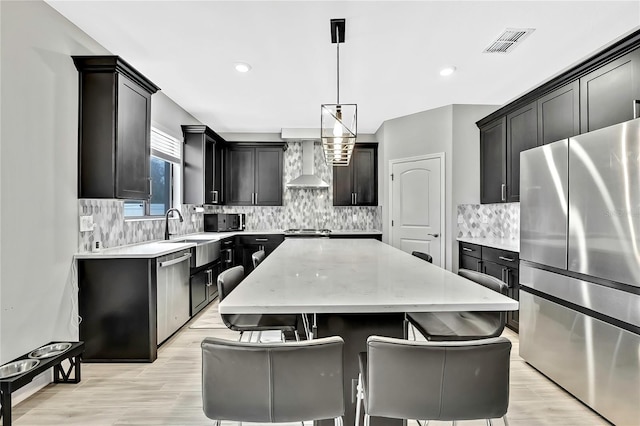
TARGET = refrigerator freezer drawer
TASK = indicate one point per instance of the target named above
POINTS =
(595, 361)
(604, 203)
(543, 204)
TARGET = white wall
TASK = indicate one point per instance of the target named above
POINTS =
(167, 116)
(450, 129)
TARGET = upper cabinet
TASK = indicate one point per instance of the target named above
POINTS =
(493, 151)
(114, 129)
(202, 170)
(254, 174)
(608, 94)
(357, 183)
(602, 91)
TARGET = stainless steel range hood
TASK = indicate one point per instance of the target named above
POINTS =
(308, 179)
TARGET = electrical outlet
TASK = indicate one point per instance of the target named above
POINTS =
(86, 223)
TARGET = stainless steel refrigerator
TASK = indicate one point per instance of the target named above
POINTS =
(580, 267)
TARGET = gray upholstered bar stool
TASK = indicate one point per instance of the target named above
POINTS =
(227, 281)
(273, 382)
(445, 381)
(440, 326)
(257, 258)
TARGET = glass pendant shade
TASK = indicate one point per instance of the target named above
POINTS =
(338, 132)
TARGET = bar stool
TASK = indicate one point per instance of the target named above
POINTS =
(227, 282)
(445, 381)
(274, 382)
(440, 326)
(257, 258)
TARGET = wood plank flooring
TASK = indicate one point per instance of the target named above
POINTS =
(167, 392)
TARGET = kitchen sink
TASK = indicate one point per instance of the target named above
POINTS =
(17, 368)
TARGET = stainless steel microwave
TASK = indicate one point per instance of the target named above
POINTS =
(220, 222)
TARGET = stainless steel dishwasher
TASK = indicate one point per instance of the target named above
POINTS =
(172, 284)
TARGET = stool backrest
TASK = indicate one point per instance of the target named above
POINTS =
(272, 382)
(484, 279)
(257, 258)
(228, 280)
(437, 380)
(423, 256)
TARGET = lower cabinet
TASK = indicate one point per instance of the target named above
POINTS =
(502, 264)
(246, 245)
(204, 286)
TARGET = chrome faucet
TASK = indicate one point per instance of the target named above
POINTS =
(166, 222)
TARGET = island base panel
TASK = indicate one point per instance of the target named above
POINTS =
(355, 329)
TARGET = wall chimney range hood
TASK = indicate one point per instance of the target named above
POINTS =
(308, 179)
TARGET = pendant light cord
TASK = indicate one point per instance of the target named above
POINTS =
(338, 64)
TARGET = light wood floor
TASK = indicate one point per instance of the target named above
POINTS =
(167, 392)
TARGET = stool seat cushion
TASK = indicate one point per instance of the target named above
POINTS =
(457, 325)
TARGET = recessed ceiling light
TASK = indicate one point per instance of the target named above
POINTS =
(242, 67)
(447, 71)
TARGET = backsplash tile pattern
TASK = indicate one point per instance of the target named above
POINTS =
(489, 221)
(302, 208)
(113, 230)
(306, 208)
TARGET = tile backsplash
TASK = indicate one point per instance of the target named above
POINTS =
(301, 208)
(489, 220)
(306, 208)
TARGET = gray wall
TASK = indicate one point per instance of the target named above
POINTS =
(450, 129)
(38, 172)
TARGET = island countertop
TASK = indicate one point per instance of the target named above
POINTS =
(355, 276)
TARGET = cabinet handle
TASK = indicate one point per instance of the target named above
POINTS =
(503, 192)
(466, 249)
(150, 188)
(262, 240)
(508, 259)
(636, 108)
(209, 278)
(215, 196)
(479, 267)
(355, 198)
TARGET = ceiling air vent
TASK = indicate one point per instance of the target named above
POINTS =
(508, 40)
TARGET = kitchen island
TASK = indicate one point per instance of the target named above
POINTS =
(355, 288)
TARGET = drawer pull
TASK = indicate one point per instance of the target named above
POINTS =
(262, 239)
(508, 259)
(466, 249)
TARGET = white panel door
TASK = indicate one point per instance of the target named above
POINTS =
(416, 207)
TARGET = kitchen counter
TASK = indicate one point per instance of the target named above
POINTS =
(355, 276)
(499, 243)
(148, 250)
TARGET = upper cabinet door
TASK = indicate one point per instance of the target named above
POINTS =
(365, 176)
(202, 165)
(133, 140)
(608, 94)
(342, 185)
(522, 134)
(268, 177)
(493, 146)
(240, 176)
(559, 114)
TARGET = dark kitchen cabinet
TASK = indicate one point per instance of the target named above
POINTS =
(228, 254)
(522, 134)
(609, 94)
(203, 285)
(559, 114)
(254, 174)
(114, 129)
(502, 264)
(357, 183)
(202, 170)
(248, 244)
(493, 155)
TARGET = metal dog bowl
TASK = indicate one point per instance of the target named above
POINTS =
(50, 350)
(17, 368)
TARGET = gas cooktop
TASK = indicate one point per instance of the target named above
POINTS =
(307, 232)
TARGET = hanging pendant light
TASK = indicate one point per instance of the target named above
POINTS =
(338, 122)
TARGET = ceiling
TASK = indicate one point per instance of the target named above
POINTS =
(389, 64)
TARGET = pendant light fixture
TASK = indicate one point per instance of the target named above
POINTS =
(338, 122)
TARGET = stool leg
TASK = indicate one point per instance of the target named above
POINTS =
(359, 397)
(506, 422)
(489, 422)
(367, 419)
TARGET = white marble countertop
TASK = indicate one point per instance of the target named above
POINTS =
(160, 248)
(354, 276)
(499, 243)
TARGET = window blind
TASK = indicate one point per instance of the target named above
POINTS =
(166, 147)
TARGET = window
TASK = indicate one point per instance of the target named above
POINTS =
(164, 165)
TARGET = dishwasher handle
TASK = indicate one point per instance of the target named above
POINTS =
(182, 258)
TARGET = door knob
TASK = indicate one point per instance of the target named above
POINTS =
(434, 235)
